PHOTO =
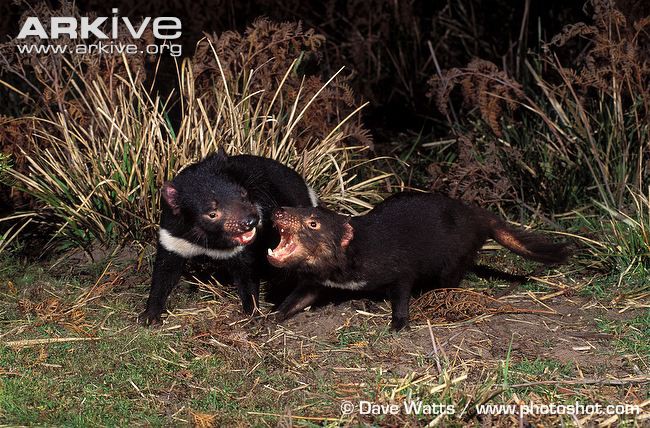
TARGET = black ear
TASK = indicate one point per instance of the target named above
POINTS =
(347, 235)
(221, 154)
(170, 195)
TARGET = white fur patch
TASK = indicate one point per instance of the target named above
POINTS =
(188, 249)
(313, 197)
(350, 285)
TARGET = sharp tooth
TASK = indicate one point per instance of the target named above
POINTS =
(282, 230)
(270, 251)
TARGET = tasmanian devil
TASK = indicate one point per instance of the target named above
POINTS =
(409, 239)
(220, 207)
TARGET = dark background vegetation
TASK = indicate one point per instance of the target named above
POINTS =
(455, 89)
(382, 43)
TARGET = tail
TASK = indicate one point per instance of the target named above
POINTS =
(527, 244)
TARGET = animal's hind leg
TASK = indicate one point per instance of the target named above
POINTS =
(451, 278)
(452, 274)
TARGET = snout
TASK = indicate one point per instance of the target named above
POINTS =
(241, 226)
(243, 230)
(278, 214)
(249, 222)
(281, 217)
(286, 220)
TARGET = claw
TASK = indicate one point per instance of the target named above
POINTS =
(147, 318)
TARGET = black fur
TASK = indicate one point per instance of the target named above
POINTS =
(218, 204)
(409, 239)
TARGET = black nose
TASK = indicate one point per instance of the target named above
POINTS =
(250, 221)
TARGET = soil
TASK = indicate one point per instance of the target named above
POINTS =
(571, 336)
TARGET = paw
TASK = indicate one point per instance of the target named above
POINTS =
(280, 317)
(247, 307)
(398, 324)
(150, 317)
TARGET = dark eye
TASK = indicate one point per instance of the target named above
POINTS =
(212, 214)
(313, 224)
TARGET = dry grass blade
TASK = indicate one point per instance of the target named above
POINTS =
(35, 342)
(8, 236)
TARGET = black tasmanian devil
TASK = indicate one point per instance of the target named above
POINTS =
(220, 207)
(409, 239)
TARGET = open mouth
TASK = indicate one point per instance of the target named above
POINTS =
(246, 237)
(283, 251)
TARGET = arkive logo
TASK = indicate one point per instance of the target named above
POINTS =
(163, 28)
(101, 35)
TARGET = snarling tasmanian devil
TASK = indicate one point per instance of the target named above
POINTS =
(409, 239)
(220, 208)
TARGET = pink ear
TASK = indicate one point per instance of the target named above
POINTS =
(348, 235)
(170, 195)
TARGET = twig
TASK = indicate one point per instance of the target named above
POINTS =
(32, 342)
(306, 418)
(435, 348)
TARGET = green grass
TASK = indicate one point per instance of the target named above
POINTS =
(133, 375)
(350, 336)
(527, 369)
(84, 384)
(94, 383)
(632, 336)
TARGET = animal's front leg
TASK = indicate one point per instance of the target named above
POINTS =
(302, 296)
(167, 271)
(248, 289)
(400, 296)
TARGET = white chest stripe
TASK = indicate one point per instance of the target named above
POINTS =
(313, 197)
(350, 285)
(188, 250)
